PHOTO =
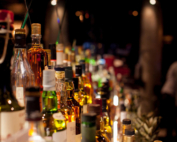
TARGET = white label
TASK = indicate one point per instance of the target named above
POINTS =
(59, 136)
(58, 116)
(20, 96)
(84, 108)
(11, 123)
(59, 57)
(123, 115)
(71, 131)
(78, 138)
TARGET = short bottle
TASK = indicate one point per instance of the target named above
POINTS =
(129, 135)
(100, 133)
(53, 119)
(22, 75)
(88, 127)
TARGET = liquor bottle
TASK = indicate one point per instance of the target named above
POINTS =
(53, 119)
(33, 115)
(67, 111)
(126, 124)
(87, 85)
(88, 127)
(37, 57)
(78, 74)
(105, 116)
(10, 110)
(48, 51)
(129, 135)
(22, 75)
(100, 133)
(52, 47)
(78, 95)
(71, 101)
(59, 54)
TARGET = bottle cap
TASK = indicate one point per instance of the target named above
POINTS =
(52, 47)
(129, 132)
(104, 104)
(59, 54)
(32, 96)
(76, 82)
(68, 74)
(98, 101)
(78, 71)
(36, 28)
(126, 121)
(3, 15)
(49, 80)
(89, 117)
(20, 38)
(59, 68)
(94, 108)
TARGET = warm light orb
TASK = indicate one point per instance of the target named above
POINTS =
(135, 13)
(53, 2)
(78, 13)
(152, 2)
(81, 18)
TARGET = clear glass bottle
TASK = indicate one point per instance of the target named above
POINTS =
(129, 135)
(10, 110)
(22, 75)
(66, 111)
(33, 115)
(37, 57)
(71, 101)
(53, 119)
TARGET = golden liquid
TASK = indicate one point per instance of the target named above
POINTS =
(38, 59)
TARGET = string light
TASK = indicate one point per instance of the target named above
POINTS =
(135, 13)
(152, 2)
(53, 2)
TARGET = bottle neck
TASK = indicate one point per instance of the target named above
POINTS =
(36, 40)
(19, 52)
(69, 89)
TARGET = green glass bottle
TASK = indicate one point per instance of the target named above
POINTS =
(53, 119)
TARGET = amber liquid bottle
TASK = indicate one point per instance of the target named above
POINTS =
(37, 57)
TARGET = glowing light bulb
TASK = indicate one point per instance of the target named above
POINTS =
(152, 2)
(115, 100)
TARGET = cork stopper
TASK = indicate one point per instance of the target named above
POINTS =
(36, 28)
(20, 31)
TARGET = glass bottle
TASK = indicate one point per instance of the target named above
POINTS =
(87, 85)
(71, 101)
(10, 110)
(82, 93)
(53, 119)
(126, 124)
(100, 134)
(67, 111)
(37, 57)
(59, 54)
(52, 47)
(129, 135)
(22, 75)
(33, 115)
(88, 127)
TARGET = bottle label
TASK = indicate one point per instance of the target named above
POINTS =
(10, 123)
(71, 131)
(59, 136)
(20, 96)
(58, 116)
(78, 138)
(84, 108)
(123, 115)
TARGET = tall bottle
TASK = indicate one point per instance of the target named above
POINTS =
(67, 111)
(52, 47)
(53, 119)
(88, 127)
(33, 115)
(78, 74)
(72, 102)
(87, 85)
(22, 75)
(37, 57)
(100, 133)
(10, 110)
(59, 54)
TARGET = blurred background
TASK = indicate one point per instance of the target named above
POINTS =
(141, 34)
